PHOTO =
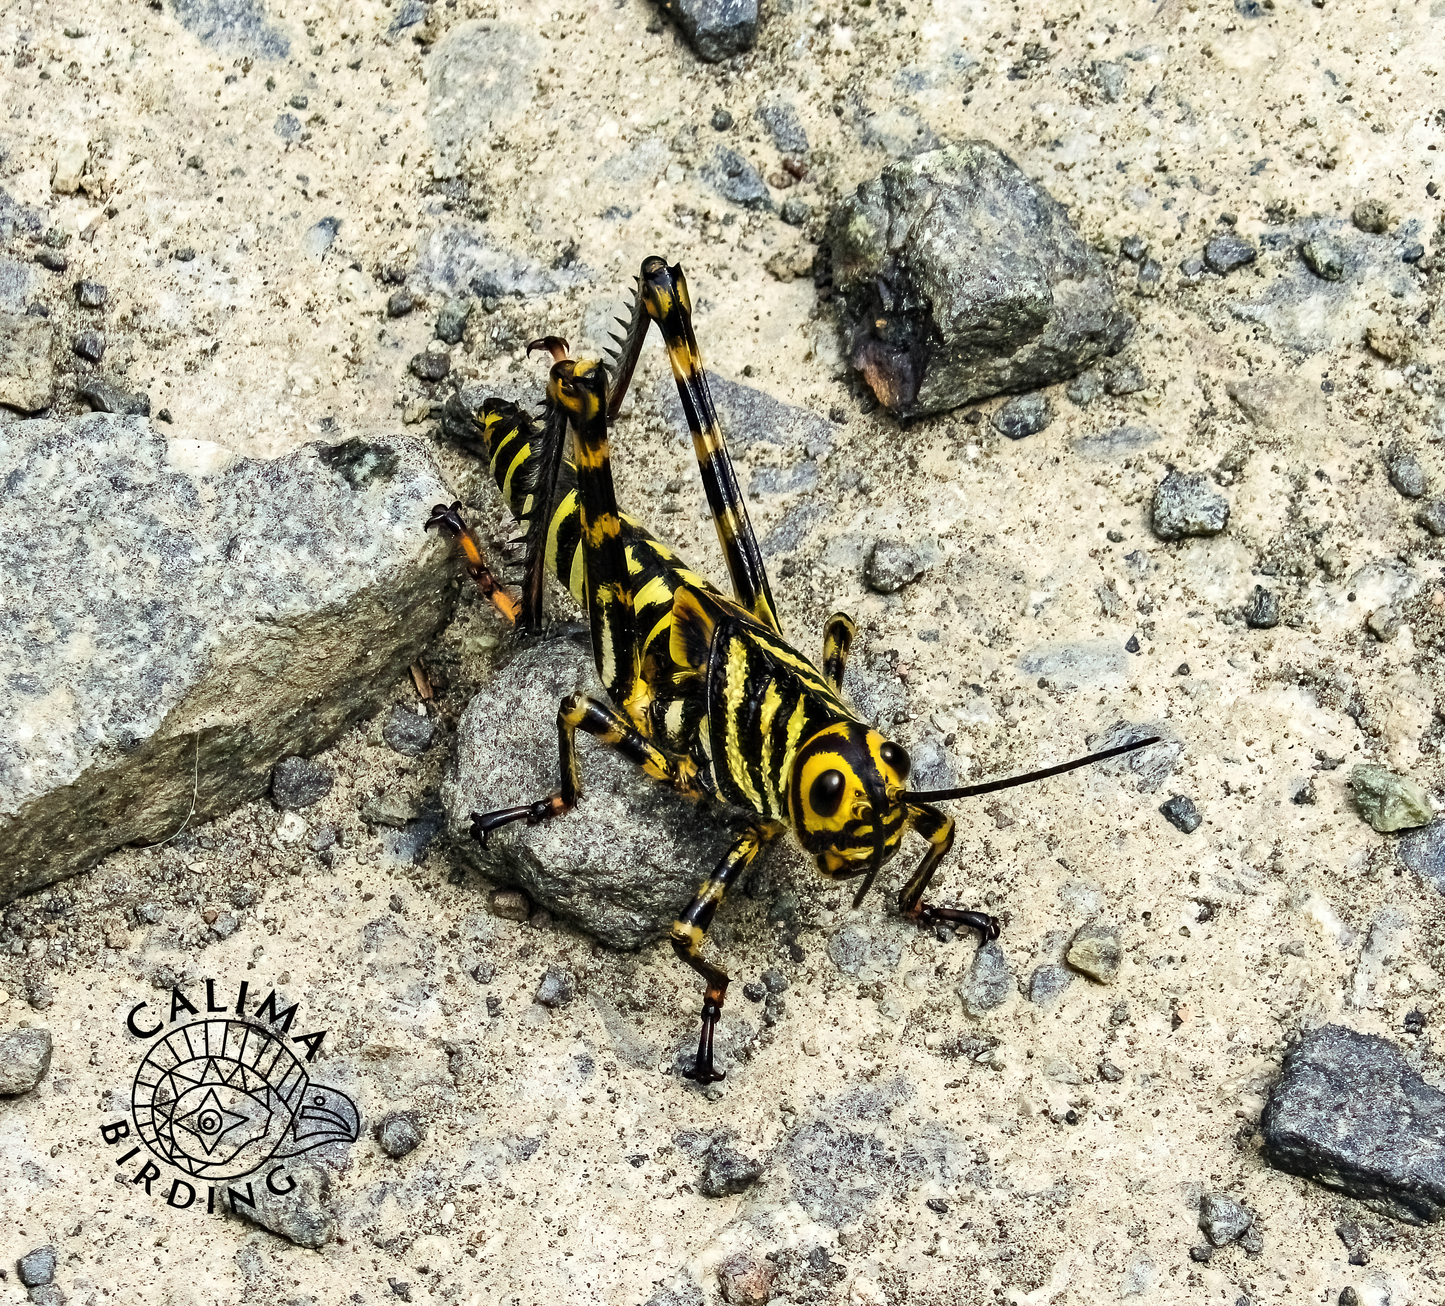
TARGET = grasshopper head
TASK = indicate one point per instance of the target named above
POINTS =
(846, 799)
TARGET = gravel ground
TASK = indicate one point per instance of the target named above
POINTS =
(262, 192)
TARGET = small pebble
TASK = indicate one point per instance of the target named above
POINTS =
(1182, 814)
(452, 320)
(1182, 669)
(1085, 388)
(1095, 951)
(400, 1134)
(484, 972)
(1261, 612)
(89, 345)
(24, 1059)
(1324, 258)
(1109, 1072)
(430, 365)
(891, 565)
(298, 782)
(407, 733)
(511, 905)
(399, 303)
(1384, 623)
(754, 992)
(90, 294)
(721, 120)
(727, 1171)
(795, 211)
(558, 987)
(1151, 277)
(37, 309)
(1186, 505)
(1134, 248)
(1222, 1219)
(186, 254)
(937, 1205)
(1431, 516)
(52, 259)
(1305, 795)
(1023, 416)
(1371, 216)
(494, 1006)
(1349, 1297)
(1226, 252)
(389, 810)
(1415, 1021)
(1412, 253)
(1125, 381)
(37, 1268)
(774, 980)
(1202, 1253)
(1406, 473)
(1388, 801)
(298, 101)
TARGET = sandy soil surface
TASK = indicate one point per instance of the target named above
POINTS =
(244, 181)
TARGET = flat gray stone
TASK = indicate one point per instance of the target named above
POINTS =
(1023, 416)
(249, 609)
(1116, 442)
(1423, 851)
(1227, 252)
(1048, 982)
(27, 374)
(558, 987)
(24, 1059)
(1222, 1219)
(980, 283)
(891, 565)
(481, 80)
(238, 25)
(727, 1171)
(1078, 662)
(1187, 505)
(1095, 951)
(989, 981)
(734, 178)
(784, 126)
(298, 782)
(103, 397)
(37, 1268)
(624, 889)
(1349, 1113)
(407, 733)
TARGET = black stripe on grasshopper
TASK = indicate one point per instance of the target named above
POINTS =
(706, 694)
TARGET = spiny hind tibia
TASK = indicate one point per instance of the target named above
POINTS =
(703, 691)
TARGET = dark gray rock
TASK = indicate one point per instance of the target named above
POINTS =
(988, 982)
(1432, 516)
(238, 25)
(1372, 216)
(721, 120)
(298, 782)
(1406, 473)
(302, 1214)
(1048, 982)
(90, 294)
(1182, 814)
(1222, 1219)
(27, 371)
(106, 398)
(430, 365)
(37, 1268)
(735, 179)
(408, 14)
(784, 127)
(399, 303)
(1085, 388)
(1134, 248)
(1324, 258)
(1187, 505)
(249, 609)
(1261, 611)
(1022, 416)
(891, 565)
(727, 1171)
(89, 345)
(298, 101)
(633, 853)
(979, 281)
(1151, 278)
(795, 211)
(1349, 1113)
(1423, 851)
(24, 1059)
(388, 810)
(452, 320)
(716, 29)
(1128, 380)
(1227, 252)
(407, 733)
(400, 1133)
(558, 987)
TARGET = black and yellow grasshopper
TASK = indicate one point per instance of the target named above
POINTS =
(705, 692)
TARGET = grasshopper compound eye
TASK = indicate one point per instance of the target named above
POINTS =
(826, 793)
(896, 759)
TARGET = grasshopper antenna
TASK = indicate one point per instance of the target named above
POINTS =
(1010, 782)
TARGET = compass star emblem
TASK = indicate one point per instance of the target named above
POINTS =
(210, 1122)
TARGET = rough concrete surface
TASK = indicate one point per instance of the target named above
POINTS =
(252, 182)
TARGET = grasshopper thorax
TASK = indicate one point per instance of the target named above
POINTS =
(846, 798)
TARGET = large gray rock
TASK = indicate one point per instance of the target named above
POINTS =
(961, 278)
(27, 374)
(481, 80)
(627, 860)
(1349, 1113)
(169, 611)
(301, 1214)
